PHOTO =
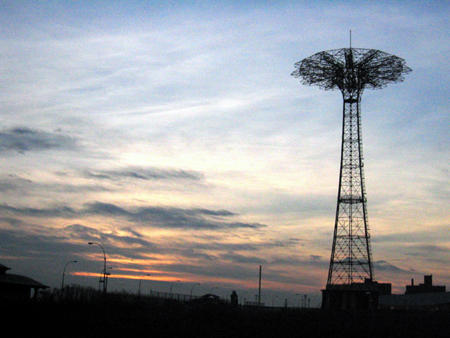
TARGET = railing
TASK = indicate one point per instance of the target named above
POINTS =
(170, 295)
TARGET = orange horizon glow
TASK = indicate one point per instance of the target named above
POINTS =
(222, 282)
(123, 276)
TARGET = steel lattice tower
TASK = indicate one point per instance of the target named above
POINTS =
(351, 70)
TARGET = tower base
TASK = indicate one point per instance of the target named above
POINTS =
(355, 296)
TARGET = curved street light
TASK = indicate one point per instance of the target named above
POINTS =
(104, 263)
(64, 272)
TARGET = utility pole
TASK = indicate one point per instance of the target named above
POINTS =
(259, 286)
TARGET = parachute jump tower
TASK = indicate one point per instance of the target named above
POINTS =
(351, 70)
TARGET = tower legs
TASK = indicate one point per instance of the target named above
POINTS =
(351, 254)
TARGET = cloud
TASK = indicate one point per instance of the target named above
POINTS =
(427, 250)
(22, 139)
(169, 217)
(237, 258)
(130, 246)
(62, 211)
(315, 258)
(385, 266)
(23, 243)
(215, 244)
(20, 185)
(310, 261)
(161, 217)
(146, 174)
(66, 241)
(13, 222)
(132, 231)
(238, 272)
(434, 234)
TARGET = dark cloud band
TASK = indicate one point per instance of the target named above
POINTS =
(23, 139)
(160, 217)
(146, 174)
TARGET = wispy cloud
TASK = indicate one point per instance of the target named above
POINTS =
(23, 139)
(169, 217)
(160, 217)
(63, 211)
(435, 234)
(237, 258)
(146, 174)
(385, 266)
(72, 241)
(20, 185)
(428, 250)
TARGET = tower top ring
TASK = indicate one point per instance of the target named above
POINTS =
(351, 69)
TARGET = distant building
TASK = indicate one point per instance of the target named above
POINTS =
(424, 296)
(416, 301)
(426, 287)
(354, 296)
(17, 287)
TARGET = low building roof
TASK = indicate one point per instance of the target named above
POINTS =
(12, 279)
(3, 268)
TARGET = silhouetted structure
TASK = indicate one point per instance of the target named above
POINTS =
(355, 295)
(351, 70)
(426, 287)
(424, 296)
(234, 298)
(17, 287)
(103, 280)
(433, 301)
(259, 285)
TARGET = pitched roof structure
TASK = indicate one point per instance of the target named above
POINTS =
(13, 279)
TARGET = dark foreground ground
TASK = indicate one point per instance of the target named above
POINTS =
(133, 317)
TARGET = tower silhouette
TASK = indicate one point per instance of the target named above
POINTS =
(351, 70)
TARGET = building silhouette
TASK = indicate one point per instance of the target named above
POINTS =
(17, 287)
(424, 296)
(426, 287)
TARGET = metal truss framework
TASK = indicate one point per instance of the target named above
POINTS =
(351, 70)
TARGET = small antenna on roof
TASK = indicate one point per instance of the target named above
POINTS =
(350, 38)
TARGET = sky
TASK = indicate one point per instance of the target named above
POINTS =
(172, 133)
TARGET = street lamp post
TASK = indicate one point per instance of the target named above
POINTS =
(273, 298)
(299, 299)
(107, 276)
(193, 286)
(104, 264)
(171, 286)
(139, 288)
(64, 273)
